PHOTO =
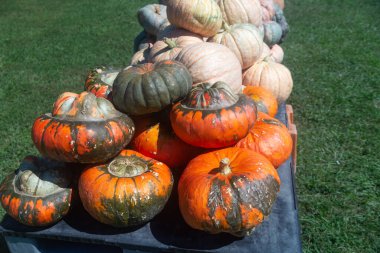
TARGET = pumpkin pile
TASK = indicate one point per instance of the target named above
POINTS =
(195, 106)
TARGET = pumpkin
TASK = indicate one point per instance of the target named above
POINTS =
(272, 33)
(281, 20)
(99, 81)
(142, 56)
(155, 138)
(173, 32)
(128, 191)
(38, 193)
(264, 99)
(143, 40)
(273, 76)
(280, 3)
(212, 116)
(147, 88)
(82, 128)
(229, 190)
(268, 10)
(244, 40)
(241, 11)
(277, 53)
(270, 138)
(169, 48)
(199, 16)
(153, 18)
(212, 62)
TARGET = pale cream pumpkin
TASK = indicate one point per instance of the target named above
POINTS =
(199, 16)
(212, 62)
(277, 53)
(241, 11)
(267, 9)
(244, 40)
(142, 56)
(272, 76)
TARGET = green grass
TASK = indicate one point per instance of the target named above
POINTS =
(333, 51)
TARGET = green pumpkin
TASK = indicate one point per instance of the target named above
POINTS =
(272, 33)
(147, 88)
(280, 19)
(153, 18)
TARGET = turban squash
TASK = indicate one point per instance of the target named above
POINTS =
(270, 138)
(129, 190)
(82, 128)
(230, 190)
(38, 193)
(212, 116)
(99, 81)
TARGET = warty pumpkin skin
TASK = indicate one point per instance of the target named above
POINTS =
(229, 190)
(212, 116)
(38, 193)
(147, 88)
(244, 40)
(270, 138)
(99, 81)
(241, 11)
(264, 99)
(129, 190)
(212, 62)
(273, 76)
(153, 18)
(199, 16)
(82, 128)
(280, 19)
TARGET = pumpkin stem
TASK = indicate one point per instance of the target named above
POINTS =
(127, 166)
(170, 42)
(224, 166)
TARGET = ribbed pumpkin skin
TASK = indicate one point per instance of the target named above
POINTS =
(270, 138)
(121, 198)
(264, 99)
(212, 62)
(82, 128)
(156, 139)
(199, 16)
(236, 202)
(147, 88)
(211, 116)
(38, 193)
(153, 18)
(268, 10)
(99, 81)
(241, 11)
(277, 53)
(273, 76)
(272, 33)
(244, 40)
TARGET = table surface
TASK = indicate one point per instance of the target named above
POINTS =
(168, 232)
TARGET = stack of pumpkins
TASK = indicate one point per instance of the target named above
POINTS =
(197, 102)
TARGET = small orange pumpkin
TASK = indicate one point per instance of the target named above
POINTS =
(264, 99)
(230, 190)
(270, 138)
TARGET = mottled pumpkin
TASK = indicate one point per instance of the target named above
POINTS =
(99, 81)
(264, 99)
(147, 88)
(38, 193)
(155, 138)
(270, 138)
(199, 16)
(230, 190)
(82, 128)
(273, 76)
(272, 33)
(244, 40)
(129, 190)
(212, 62)
(212, 116)
(153, 18)
(241, 11)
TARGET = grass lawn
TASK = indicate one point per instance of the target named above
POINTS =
(333, 51)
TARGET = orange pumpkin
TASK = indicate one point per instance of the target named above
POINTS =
(212, 116)
(129, 190)
(270, 138)
(265, 101)
(230, 190)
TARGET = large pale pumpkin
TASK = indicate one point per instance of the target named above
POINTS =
(199, 16)
(244, 40)
(241, 11)
(212, 62)
(153, 18)
(142, 56)
(272, 76)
